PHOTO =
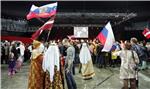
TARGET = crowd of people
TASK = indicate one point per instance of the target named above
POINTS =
(54, 62)
(14, 54)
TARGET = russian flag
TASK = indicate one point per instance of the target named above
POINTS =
(106, 37)
(146, 33)
(43, 11)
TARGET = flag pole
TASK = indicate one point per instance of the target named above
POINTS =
(50, 28)
(48, 35)
(147, 25)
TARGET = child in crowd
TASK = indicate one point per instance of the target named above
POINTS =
(11, 65)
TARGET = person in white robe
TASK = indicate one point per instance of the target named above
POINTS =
(87, 69)
(51, 67)
(51, 59)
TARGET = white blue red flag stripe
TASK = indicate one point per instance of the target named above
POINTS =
(102, 36)
(43, 11)
(106, 37)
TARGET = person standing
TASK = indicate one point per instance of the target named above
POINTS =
(76, 60)
(91, 48)
(14, 50)
(6, 52)
(36, 73)
(62, 50)
(2, 53)
(69, 64)
(27, 54)
(129, 60)
(20, 58)
(11, 65)
(51, 67)
(87, 69)
(141, 52)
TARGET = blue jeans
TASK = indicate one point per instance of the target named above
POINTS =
(70, 80)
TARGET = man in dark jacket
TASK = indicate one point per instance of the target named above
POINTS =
(141, 51)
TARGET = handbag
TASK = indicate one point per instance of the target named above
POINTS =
(135, 67)
(136, 70)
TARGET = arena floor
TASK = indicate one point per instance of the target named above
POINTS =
(106, 78)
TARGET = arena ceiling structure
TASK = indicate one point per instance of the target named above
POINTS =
(82, 13)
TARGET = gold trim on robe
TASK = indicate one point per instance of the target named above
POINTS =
(87, 70)
(57, 82)
(38, 79)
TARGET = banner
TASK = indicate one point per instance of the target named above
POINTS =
(81, 32)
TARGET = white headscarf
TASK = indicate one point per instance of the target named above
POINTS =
(51, 58)
(41, 48)
(85, 55)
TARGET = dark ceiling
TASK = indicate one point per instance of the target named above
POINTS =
(103, 11)
(78, 6)
(91, 13)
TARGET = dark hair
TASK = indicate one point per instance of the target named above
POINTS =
(127, 45)
(18, 44)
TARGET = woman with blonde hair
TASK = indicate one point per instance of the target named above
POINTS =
(36, 73)
(129, 60)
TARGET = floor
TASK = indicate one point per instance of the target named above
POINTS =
(105, 78)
